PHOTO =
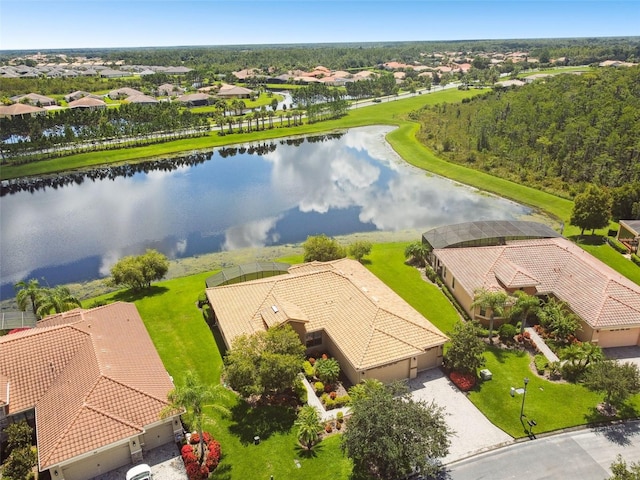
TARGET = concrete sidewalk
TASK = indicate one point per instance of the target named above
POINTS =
(546, 351)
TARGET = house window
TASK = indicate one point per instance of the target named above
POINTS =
(483, 311)
(314, 339)
(453, 283)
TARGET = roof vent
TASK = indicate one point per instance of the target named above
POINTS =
(274, 308)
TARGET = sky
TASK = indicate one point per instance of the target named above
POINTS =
(55, 24)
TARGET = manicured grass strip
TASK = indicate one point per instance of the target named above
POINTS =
(552, 405)
(387, 263)
(606, 254)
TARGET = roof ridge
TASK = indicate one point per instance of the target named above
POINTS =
(137, 390)
(32, 332)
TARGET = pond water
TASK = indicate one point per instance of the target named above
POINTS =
(231, 198)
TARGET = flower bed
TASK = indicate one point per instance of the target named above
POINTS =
(191, 454)
(464, 381)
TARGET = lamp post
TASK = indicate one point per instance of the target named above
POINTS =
(524, 396)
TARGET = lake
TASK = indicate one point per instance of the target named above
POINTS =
(272, 193)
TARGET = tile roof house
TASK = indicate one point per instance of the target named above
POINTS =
(96, 386)
(337, 307)
(20, 110)
(90, 101)
(607, 303)
(233, 91)
(34, 99)
(629, 234)
(124, 92)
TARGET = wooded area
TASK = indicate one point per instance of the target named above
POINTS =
(556, 134)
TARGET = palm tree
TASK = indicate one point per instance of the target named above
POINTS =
(494, 301)
(59, 299)
(525, 306)
(308, 423)
(27, 291)
(192, 397)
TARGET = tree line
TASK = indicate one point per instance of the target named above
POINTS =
(558, 135)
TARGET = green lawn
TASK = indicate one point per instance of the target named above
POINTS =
(552, 405)
(606, 254)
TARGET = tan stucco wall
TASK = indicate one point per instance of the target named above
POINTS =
(330, 347)
(464, 299)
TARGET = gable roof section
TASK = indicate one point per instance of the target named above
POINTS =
(93, 376)
(366, 320)
(598, 294)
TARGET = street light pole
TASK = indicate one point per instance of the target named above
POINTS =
(524, 395)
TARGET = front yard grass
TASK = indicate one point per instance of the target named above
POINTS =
(553, 405)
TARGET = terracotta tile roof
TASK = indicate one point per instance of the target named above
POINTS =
(366, 320)
(93, 376)
(594, 291)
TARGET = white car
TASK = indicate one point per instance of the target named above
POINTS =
(140, 472)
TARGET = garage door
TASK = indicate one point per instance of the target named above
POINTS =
(618, 338)
(156, 436)
(98, 464)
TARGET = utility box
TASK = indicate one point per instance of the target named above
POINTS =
(485, 374)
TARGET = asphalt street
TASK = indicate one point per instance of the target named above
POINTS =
(584, 454)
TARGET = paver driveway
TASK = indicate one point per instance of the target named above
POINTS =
(473, 432)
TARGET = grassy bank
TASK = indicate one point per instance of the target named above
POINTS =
(387, 113)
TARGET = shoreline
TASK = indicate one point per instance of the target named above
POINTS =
(210, 262)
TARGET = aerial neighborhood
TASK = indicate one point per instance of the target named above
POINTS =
(228, 262)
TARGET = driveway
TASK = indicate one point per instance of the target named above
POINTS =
(473, 432)
(624, 354)
(165, 462)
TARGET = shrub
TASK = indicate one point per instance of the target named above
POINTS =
(340, 417)
(333, 395)
(308, 369)
(312, 361)
(541, 363)
(328, 428)
(207, 313)
(555, 369)
(343, 401)
(300, 391)
(329, 403)
(619, 247)
(507, 332)
(202, 299)
(195, 438)
(635, 259)
(186, 449)
(319, 388)
(464, 381)
(430, 273)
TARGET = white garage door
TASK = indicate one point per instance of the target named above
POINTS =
(98, 464)
(618, 338)
(156, 436)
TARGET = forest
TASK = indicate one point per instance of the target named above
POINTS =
(557, 134)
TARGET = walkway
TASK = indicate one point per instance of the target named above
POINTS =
(314, 401)
(539, 341)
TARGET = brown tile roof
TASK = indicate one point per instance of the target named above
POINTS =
(19, 109)
(366, 320)
(93, 376)
(594, 291)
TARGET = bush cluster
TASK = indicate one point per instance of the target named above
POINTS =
(464, 381)
(635, 259)
(541, 363)
(190, 456)
(619, 247)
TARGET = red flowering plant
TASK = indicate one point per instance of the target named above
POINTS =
(464, 381)
(195, 438)
(190, 456)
